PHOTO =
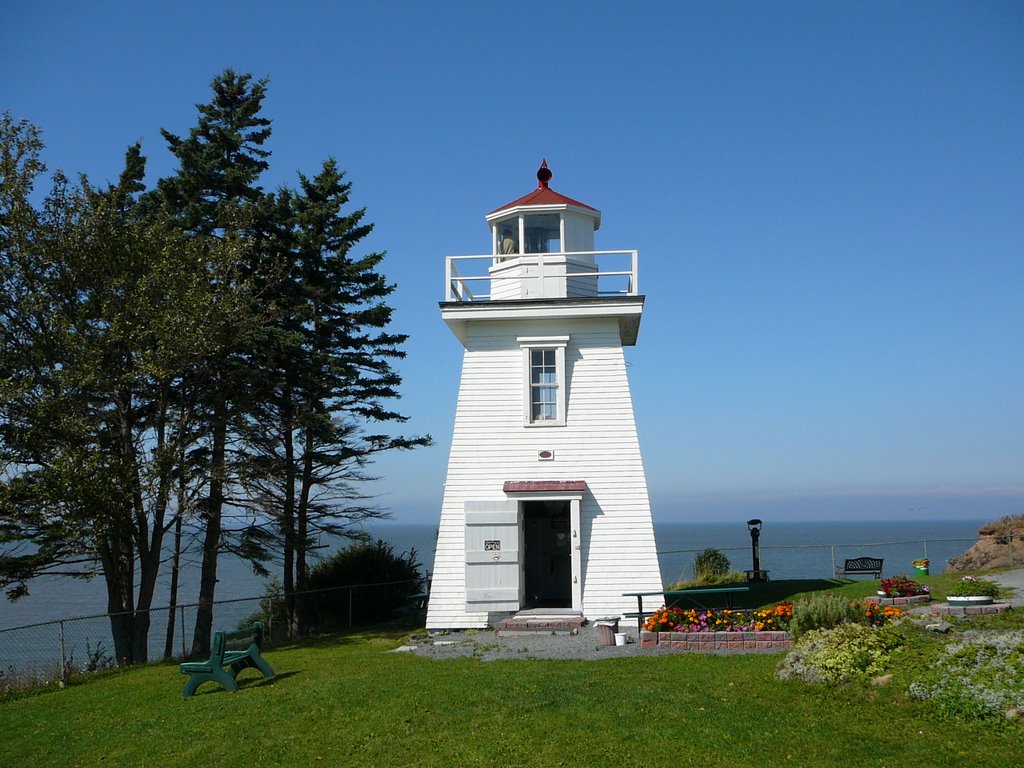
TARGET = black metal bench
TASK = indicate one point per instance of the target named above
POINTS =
(860, 566)
(234, 650)
(640, 614)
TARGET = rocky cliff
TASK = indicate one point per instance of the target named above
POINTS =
(1000, 545)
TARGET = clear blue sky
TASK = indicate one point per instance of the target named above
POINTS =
(828, 201)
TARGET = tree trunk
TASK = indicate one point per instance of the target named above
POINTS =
(172, 602)
(211, 542)
(288, 514)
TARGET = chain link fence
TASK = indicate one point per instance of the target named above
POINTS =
(50, 653)
(804, 561)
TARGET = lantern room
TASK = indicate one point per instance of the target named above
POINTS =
(543, 245)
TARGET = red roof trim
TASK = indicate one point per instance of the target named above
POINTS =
(542, 486)
(543, 196)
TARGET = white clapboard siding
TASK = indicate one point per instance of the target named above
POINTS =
(598, 444)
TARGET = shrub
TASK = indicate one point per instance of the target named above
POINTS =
(391, 580)
(709, 564)
(729, 577)
(845, 652)
(823, 610)
(970, 586)
(978, 677)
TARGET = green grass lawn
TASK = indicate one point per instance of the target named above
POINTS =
(344, 701)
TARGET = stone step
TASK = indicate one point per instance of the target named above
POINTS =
(539, 624)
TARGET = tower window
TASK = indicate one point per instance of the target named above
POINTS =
(544, 363)
(543, 385)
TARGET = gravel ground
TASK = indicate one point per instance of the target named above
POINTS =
(1015, 581)
(487, 645)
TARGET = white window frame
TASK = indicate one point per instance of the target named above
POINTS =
(557, 343)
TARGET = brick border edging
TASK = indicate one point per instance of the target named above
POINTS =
(945, 609)
(909, 600)
(744, 642)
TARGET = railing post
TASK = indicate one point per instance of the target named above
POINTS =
(270, 617)
(182, 614)
(833, 562)
(63, 658)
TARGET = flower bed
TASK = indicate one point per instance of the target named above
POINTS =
(718, 630)
(677, 619)
(901, 586)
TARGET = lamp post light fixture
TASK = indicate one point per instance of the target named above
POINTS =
(755, 573)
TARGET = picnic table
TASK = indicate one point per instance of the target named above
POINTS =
(641, 614)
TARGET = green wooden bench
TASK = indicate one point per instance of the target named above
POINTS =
(640, 614)
(234, 650)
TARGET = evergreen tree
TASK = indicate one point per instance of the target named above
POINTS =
(330, 374)
(215, 194)
(104, 319)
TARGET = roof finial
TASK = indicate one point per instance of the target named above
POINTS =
(543, 174)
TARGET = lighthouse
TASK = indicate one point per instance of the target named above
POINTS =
(545, 510)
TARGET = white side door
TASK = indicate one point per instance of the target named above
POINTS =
(493, 556)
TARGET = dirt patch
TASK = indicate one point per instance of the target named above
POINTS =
(1000, 545)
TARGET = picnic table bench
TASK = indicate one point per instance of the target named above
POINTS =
(234, 650)
(860, 566)
(687, 594)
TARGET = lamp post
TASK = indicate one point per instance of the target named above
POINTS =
(754, 526)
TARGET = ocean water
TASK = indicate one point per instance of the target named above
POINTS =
(788, 551)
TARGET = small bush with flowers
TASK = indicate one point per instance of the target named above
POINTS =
(677, 619)
(823, 610)
(844, 652)
(902, 586)
(972, 586)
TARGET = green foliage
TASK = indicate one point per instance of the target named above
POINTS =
(722, 579)
(973, 587)
(271, 612)
(373, 564)
(710, 564)
(844, 652)
(981, 676)
(823, 610)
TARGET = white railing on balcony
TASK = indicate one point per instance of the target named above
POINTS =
(543, 275)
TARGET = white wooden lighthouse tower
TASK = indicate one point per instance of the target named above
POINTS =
(545, 503)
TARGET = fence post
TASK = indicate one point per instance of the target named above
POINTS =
(63, 658)
(350, 608)
(270, 618)
(182, 609)
(926, 549)
(833, 561)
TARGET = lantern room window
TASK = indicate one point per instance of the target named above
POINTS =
(543, 233)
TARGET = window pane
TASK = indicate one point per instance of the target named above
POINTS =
(542, 233)
(543, 385)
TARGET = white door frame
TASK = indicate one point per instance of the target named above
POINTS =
(575, 499)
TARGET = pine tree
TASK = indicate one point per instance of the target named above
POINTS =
(332, 375)
(215, 193)
(104, 319)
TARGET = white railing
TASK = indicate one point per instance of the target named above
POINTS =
(470, 278)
